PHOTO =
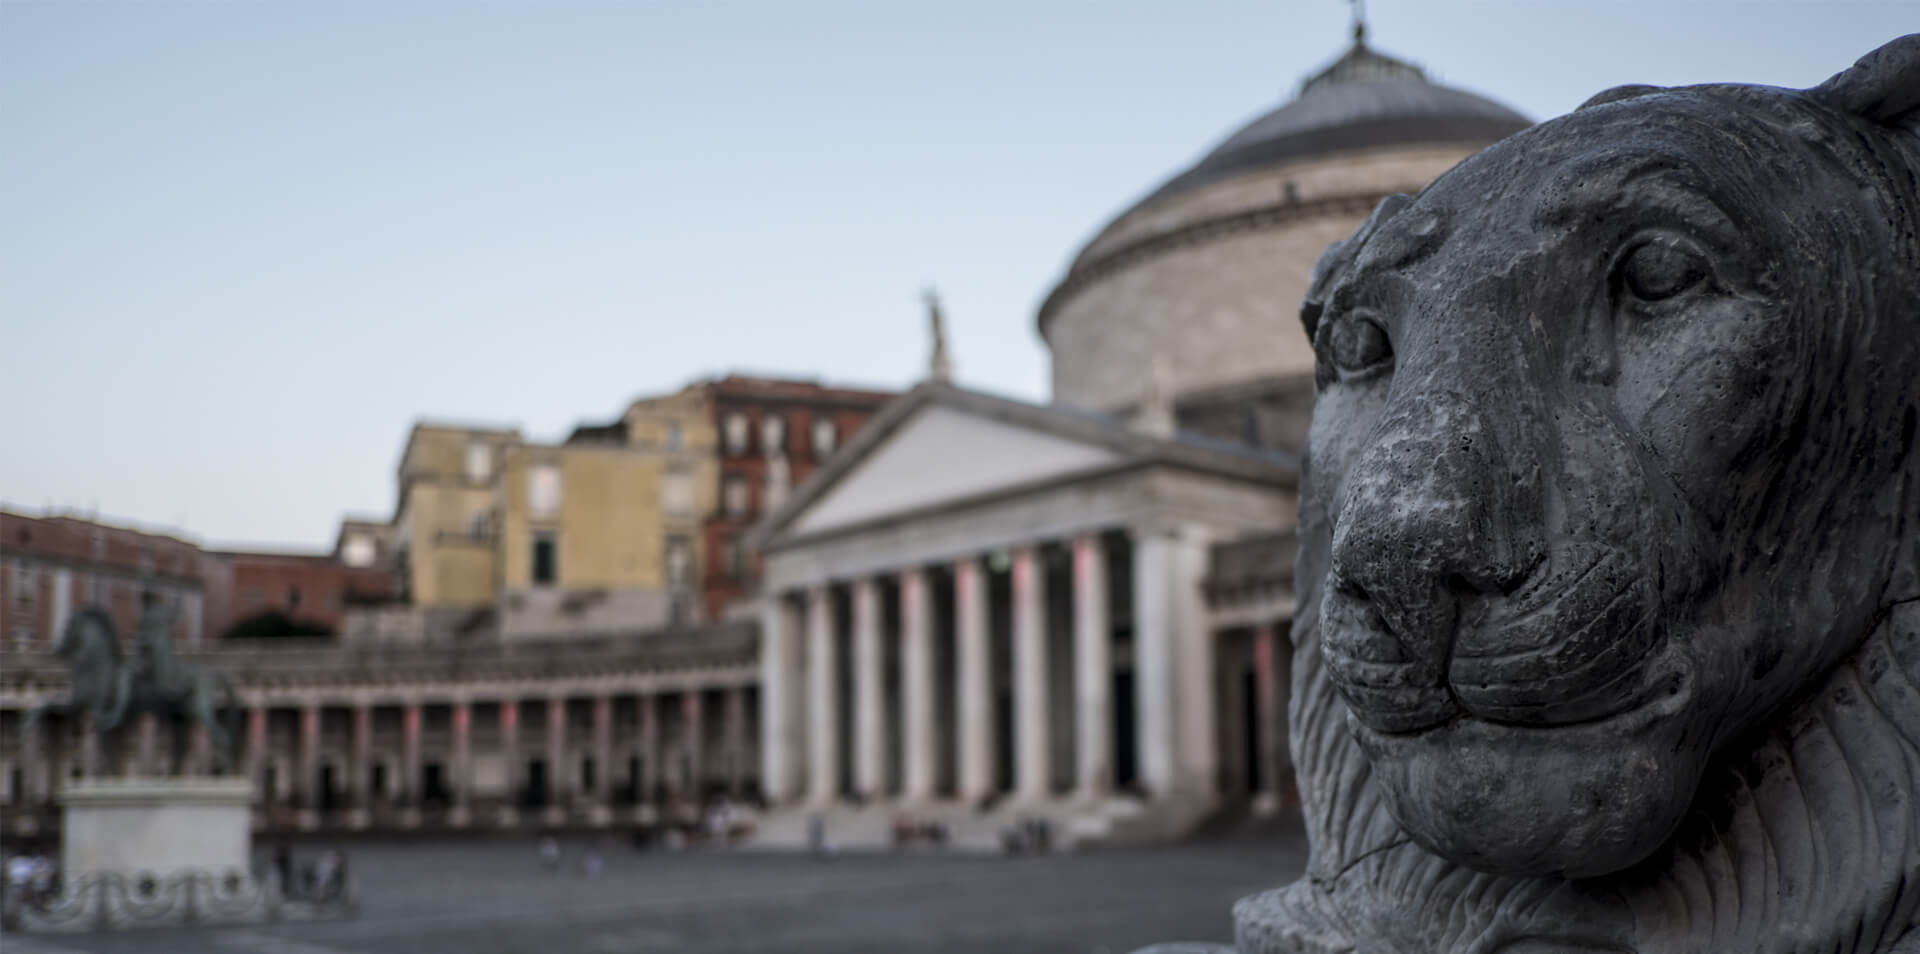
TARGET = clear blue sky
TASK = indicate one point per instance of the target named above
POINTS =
(244, 245)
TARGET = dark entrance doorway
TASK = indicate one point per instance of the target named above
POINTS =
(1250, 732)
(1126, 744)
(535, 794)
(433, 785)
(329, 791)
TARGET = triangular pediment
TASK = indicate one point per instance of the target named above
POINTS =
(939, 454)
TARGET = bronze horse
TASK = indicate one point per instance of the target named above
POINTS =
(108, 686)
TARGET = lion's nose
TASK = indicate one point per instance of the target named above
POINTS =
(1433, 520)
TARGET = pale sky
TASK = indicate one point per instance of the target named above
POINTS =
(244, 245)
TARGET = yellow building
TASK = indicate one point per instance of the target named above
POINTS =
(498, 535)
(444, 525)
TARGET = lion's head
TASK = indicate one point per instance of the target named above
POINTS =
(1614, 454)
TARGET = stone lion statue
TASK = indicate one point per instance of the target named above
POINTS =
(1609, 636)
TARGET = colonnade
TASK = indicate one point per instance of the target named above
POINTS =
(1043, 671)
(455, 761)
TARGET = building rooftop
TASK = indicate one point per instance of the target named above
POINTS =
(1363, 100)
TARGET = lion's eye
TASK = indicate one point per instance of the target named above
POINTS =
(1356, 344)
(1658, 270)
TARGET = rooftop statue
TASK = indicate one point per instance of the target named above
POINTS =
(1609, 633)
(108, 687)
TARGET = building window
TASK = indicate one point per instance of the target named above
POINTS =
(544, 556)
(23, 637)
(293, 599)
(23, 583)
(773, 435)
(479, 524)
(679, 560)
(777, 481)
(736, 433)
(479, 462)
(357, 551)
(734, 494)
(735, 556)
(676, 436)
(98, 545)
(826, 437)
(676, 492)
(543, 490)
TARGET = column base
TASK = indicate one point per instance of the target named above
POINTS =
(1091, 797)
(457, 816)
(358, 819)
(1265, 805)
(410, 817)
(507, 817)
(600, 816)
(555, 815)
(308, 819)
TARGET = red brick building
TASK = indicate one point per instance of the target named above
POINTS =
(314, 589)
(52, 567)
(773, 434)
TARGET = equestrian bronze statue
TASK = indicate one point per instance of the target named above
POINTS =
(110, 688)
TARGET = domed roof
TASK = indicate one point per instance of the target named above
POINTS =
(1364, 100)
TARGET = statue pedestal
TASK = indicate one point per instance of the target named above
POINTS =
(148, 852)
(156, 826)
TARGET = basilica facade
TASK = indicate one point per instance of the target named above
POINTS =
(987, 613)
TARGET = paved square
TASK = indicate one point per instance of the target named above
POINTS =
(491, 896)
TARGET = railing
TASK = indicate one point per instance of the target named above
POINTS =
(113, 900)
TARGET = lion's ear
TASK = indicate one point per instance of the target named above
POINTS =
(1619, 93)
(1884, 86)
(1334, 261)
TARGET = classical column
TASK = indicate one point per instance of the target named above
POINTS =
(650, 773)
(694, 728)
(199, 751)
(358, 783)
(1173, 663)
(33, 758)
(556, 759)
(257, 756)
(975, 702)
(510, 753)
(736, 741)
(1032, 724)
(149, 752)
(1093, 669)
(916, 686)
(1271, 728)
(461, 717)
(782, 720)
(869, 708)
(602, 760)
(310, 766)
(1153, 660)
(823, 721)
(410, 762)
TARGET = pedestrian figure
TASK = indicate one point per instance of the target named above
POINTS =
(283, 867)
(550, 853)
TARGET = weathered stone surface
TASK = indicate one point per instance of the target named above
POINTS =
(156, 826)
(1611, 540)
